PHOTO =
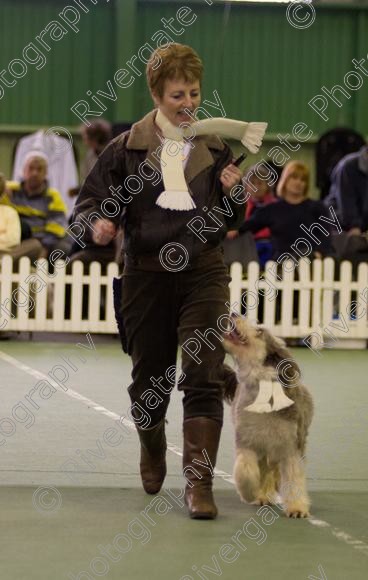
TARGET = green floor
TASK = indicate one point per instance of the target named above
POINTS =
(61, 525)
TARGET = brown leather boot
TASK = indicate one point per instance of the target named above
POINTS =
(201, 441)
(153, 457)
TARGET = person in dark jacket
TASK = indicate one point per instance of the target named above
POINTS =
(349, 192)
(174, 298)
(349, 196)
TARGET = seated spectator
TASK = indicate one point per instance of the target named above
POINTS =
(260, 195)
(349, 196)
(13, 238)
(349, 192)
(41, 208)
(285, 217)
(96, 136)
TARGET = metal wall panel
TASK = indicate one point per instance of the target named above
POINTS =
(262, 67)
(78, 62)
(361, 107)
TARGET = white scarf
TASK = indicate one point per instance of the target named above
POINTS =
(176, 195)
(269, 390)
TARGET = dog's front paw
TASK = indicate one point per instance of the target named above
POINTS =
(262, 500)
(297, 511)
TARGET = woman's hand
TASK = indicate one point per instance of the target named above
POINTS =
(103, 232)
(232, 234)
(355, 232)
(230, 176)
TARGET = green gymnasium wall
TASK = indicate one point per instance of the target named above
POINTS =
(262, 67)
(73, 64)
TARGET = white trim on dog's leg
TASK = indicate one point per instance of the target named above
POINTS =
(293, 487)
(247, 475)
(268, 485)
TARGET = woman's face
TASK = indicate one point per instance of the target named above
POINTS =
(296, 185)
(179, 95)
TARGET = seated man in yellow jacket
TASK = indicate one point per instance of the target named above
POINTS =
(40, 207)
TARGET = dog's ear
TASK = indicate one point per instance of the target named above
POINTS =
(276, 346)
(230, 383)
(278, 352)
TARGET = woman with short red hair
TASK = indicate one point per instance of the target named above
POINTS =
(180, 304)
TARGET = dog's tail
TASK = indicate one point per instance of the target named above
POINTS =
(230, 383)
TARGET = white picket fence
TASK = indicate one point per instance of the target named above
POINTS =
(305, 300)
(35, 300)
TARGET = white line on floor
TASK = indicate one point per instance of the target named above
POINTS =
(336, 532)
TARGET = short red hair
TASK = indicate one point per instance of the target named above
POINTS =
(177, 61)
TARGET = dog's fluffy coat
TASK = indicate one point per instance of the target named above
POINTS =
(269, 446)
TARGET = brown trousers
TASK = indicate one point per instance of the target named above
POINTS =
(162, 310)
(30, 248)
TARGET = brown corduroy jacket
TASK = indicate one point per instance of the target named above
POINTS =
(126, 181)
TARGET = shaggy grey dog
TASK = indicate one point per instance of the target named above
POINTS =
(271, 411)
